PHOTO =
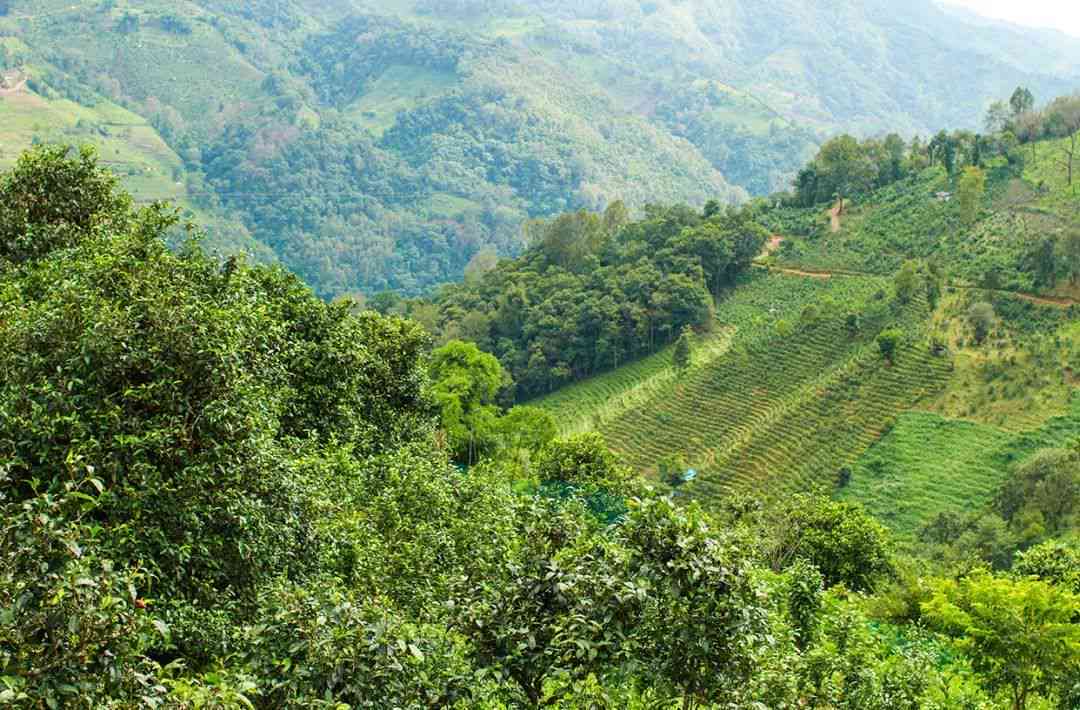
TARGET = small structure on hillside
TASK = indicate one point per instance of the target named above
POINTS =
(943, 196)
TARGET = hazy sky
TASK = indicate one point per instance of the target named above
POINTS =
(1062, 15)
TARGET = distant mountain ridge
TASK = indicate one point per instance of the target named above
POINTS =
(381, 145)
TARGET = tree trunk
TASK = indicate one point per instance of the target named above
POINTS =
(1072, 155)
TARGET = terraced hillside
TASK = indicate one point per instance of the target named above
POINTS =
(917, 218)
(126, 142)
(600, 399)
(784, 396)
(803, 442)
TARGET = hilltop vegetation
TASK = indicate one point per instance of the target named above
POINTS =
(382, 145)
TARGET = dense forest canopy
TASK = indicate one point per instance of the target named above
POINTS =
(594, 291)
(371, 146)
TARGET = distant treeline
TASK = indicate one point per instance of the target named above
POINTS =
(846, 166)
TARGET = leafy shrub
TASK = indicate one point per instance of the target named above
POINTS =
(189, 389)
(73, 626)
(323, 642)
(841, 540)
(52, 201)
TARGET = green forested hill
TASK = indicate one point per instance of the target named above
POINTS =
(381, 145)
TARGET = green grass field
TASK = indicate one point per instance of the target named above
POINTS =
(928, 464)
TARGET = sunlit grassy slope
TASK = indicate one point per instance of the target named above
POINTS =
(928, 464)
(126, 142)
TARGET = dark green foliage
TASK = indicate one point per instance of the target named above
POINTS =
(187, 389)
(589, 296)
(201, 462)
(842, 169)
(683, 349)
(804, 602)
(981, 317)
(583, 467)
(329, 643)
(341, 67)
(563, 607)
(851, 668)
(72, 626)
(888, 341)
(371, 147)
(1042, 497)
(907, 281)
(320, 201)
(1052, 561)
(840, 539)
(50, 201)
(705, 627)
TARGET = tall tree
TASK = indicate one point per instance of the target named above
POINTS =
(1021, 102)
(683, 349)
(713, 247)
(981, 316)
(906, 281)
(465, 383)
(1021, 636)
(970, 190)
(997, 117)
(1069, 245)
(844, 169)
(1063, 120)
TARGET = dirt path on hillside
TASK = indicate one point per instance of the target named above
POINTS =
(1056, 301)
(15, 89)
(800, 272)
